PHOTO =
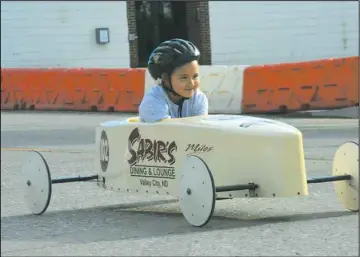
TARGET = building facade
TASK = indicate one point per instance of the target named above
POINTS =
(62, 34)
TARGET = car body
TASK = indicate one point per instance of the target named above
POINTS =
(147, 158)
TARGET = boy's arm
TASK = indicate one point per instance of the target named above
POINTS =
(153, 109)
(201, 106)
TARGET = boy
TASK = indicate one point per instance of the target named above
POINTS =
(175, 62)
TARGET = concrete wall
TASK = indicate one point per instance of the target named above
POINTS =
(62, 34)
(273, 32)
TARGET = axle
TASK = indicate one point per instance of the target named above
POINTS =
(73, 179)
(328, 179)
(252, 186)
(249, 186)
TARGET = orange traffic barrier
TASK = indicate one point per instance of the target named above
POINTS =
(25, 88)
(72, 89)
(321, 84)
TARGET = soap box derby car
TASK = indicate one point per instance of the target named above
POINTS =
(199, 160)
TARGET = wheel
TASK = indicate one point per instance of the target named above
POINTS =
(37, 184)
(346, 162)
(197, 192)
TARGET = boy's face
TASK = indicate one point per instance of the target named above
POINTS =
(186, 79)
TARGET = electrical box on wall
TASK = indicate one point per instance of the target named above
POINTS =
(102, 36)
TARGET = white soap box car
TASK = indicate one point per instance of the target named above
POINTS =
(199, 160)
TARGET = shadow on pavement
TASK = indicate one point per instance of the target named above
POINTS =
(112, 223)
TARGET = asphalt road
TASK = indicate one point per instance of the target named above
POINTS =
(85, 220)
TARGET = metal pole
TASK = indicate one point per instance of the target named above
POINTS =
(73, 179)
(328, 179)
(249, 186)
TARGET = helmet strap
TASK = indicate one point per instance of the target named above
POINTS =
(171, 89)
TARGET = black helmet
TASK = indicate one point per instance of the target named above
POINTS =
(171, 54)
